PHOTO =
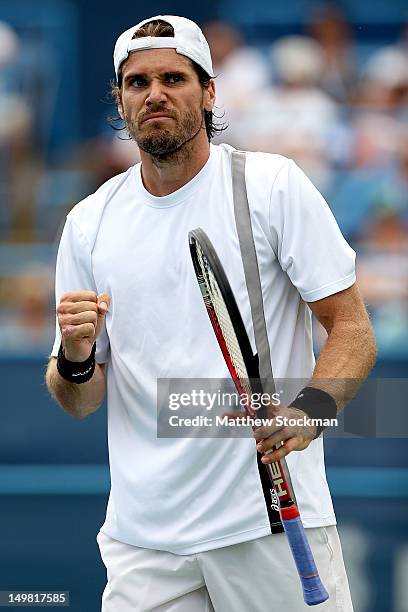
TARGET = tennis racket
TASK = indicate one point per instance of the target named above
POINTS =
(242, 364)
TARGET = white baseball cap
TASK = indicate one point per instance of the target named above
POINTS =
(188, 40)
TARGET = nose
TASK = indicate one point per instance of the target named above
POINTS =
(156, 94)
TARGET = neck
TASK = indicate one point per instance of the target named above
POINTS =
(162, 176)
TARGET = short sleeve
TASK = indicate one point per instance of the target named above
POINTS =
(310, 246)
(74, 273)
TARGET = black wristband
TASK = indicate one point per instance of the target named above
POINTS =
(76, 372)
(317, 404)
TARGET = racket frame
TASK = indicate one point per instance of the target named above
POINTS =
(314, 591)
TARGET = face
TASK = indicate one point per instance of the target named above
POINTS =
(162, 100)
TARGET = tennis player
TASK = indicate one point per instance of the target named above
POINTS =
(187, 526)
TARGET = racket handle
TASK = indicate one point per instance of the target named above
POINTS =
(313, 588)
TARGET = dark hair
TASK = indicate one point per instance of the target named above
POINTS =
(161, 28)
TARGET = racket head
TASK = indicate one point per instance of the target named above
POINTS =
(224, 314)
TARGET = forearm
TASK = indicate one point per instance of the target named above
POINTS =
(343, 365)
(346, 360)
(77, 400)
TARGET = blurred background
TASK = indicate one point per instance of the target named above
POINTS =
(325, 83)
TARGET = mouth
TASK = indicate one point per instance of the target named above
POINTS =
(155, 116)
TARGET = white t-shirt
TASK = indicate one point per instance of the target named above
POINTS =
(179, 494)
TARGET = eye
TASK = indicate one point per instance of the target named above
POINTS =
(174, 77)
(138, 82)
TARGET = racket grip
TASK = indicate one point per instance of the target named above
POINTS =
(314, 591)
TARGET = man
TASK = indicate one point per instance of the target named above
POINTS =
(187, 525)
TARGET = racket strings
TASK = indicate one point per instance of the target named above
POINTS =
(213, 299)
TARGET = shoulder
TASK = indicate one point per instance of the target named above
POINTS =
(275, 181)
(92, 205)
(260, 168)
(266, 170)
(87, 214)
(280, 180)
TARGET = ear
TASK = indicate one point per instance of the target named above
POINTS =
(118, 99)
(209, 96)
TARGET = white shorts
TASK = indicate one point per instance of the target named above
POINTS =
(252, 576)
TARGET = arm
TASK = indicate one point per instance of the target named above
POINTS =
(350, 350)
(344, 363)
(77, 400)
(81, 315)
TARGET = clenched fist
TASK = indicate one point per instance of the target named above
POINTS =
(80, 316)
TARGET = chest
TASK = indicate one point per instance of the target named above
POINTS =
(141, 258)
(142, 249)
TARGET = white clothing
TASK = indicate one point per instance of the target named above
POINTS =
(249, 577)
(189, 495)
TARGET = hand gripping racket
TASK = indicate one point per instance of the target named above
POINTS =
(242, 364)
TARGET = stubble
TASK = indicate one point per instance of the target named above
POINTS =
(167, 145)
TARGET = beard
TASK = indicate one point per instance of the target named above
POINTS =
(163, 143)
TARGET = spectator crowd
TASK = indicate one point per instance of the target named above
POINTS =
(336, 105)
